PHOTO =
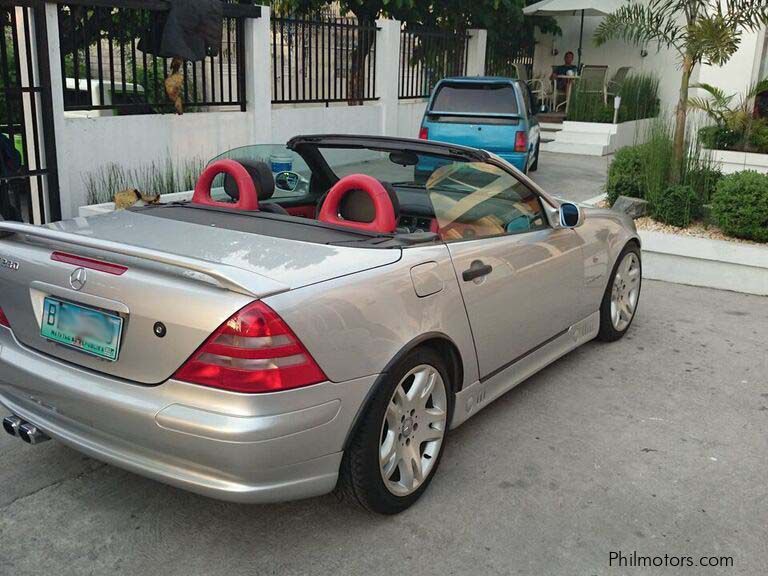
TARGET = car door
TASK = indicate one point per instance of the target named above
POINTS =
(521, 279)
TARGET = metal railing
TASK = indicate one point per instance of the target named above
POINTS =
(29, 189)
(501, 58)
(323, 60)
(106, 68)
(427, 56)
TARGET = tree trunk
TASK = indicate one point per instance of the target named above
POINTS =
(680, 121)
(357, 74)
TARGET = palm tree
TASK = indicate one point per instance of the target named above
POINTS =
(707, 31)
(732, 111)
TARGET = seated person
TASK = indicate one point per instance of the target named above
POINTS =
(563, 69)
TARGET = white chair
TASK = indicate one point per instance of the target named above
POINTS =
(538, 86)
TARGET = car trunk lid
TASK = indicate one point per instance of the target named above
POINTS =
(180, 282)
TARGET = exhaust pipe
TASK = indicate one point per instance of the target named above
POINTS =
(31, 434)
(11, 424)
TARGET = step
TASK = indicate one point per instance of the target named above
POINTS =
(568, 136)
(550, 126)
(575, 148)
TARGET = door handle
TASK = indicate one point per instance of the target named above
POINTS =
(478, 269)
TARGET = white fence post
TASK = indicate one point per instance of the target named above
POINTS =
(68, 181)
(478, 40)
(258, 76)
(387, 69)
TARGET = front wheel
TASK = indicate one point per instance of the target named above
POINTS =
(622, 295)
(397, 448)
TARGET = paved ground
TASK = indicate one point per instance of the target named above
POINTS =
(655, 444)
(575, 178)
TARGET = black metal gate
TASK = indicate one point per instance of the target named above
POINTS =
(29, 187)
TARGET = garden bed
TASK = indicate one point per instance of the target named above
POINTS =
(730, 161)
(700, 256)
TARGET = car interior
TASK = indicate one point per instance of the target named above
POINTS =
(359, 195)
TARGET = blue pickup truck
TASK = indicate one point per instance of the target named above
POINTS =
(495, 114)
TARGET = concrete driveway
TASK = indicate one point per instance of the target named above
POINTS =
(575, 178)
(655, 444)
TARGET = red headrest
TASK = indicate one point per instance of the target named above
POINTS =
(248, 199)
(384, 221)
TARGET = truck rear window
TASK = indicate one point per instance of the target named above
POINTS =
(476, 99)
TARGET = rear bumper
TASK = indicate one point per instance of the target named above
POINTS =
(238, 447)
(518, 159)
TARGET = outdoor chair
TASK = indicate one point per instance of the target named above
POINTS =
(538, 86)
(593, 81)
(614, 84)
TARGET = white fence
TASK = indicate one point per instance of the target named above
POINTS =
(84, 144)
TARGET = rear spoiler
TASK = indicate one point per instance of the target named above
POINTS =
(475, 114)
(227, 277)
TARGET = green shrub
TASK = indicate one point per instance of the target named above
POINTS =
(657, 165)
(639, 97)
(740, 205)
(720, 138)
(703, 178)
(677, 206)
(758, 136)
(625, 175)
(588, 108)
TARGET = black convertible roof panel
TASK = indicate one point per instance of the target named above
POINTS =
(389, 144)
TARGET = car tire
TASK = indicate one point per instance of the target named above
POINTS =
(622, 295)
(362, 475)
(535, 165)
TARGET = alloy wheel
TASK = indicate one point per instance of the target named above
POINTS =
(413, 430)
(625, 291)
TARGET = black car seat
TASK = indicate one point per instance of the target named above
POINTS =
(263, 180)
(358, 206)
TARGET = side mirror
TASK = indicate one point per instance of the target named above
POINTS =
(288, 181)
(570, 215)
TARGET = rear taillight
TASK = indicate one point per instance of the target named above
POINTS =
(521, 142)
(4, 319)
(424, 133)
(253, 351)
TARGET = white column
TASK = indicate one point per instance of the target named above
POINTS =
(476, 52)
(387, 69)
(258, 75)
(69, 204)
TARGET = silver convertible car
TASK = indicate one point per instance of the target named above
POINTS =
(316, 317)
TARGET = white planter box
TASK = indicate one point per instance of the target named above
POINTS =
(704, 262)
(730, 161)
(96, 209)
(596, 139)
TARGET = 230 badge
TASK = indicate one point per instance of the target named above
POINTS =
(10, 264)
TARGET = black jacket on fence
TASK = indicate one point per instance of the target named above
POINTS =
(190, 30)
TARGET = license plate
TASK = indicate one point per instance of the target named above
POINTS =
(85, 329)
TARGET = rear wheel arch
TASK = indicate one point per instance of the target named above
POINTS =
(435, 341)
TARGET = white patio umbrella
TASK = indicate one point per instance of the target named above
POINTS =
(586, 7)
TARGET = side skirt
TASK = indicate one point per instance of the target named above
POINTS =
(477, 396)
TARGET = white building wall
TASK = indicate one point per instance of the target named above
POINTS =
(743, 68)
(85, 145)
(614, 54)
